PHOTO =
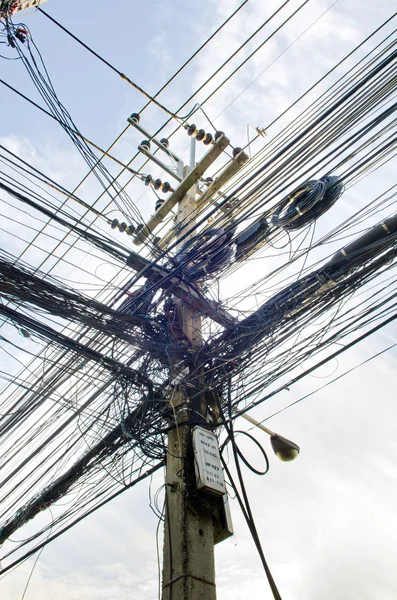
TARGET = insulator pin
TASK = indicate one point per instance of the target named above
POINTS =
(145, 144)
(200, 135)
(135, 117)
(165, 142)
(157, 184)
(159, 203)
(123, 227)
(203, 136)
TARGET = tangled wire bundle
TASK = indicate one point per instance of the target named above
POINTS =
(206, 253)
(307, 202)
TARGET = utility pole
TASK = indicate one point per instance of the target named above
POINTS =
(188, 563)
(196, 508)
(190, 515)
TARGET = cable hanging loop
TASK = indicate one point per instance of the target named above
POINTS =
(307, 202)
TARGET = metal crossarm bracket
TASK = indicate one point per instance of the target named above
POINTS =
(188, 182)
(158, 162)
(153, 139)
(231, 169)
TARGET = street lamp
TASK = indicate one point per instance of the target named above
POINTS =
(284, 449)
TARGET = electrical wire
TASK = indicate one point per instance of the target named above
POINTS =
(87, 393)
(151, 99)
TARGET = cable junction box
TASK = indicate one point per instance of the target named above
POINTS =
(222, 520)
(207, 462)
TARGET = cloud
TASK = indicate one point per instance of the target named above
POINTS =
(326, 521)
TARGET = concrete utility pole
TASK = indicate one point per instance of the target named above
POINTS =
(188, 564)
(194, 519)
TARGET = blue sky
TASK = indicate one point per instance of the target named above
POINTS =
(326, 521)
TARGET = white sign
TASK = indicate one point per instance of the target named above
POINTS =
(207, 462)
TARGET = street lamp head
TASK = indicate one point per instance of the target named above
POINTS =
(284, 449)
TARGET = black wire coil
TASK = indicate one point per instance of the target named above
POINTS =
(206, 253)
(251, 239)
(307, 202)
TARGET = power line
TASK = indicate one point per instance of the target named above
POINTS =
(71, 130)
(127, 79)
(82, 380)
(320, 363)
(364, 362)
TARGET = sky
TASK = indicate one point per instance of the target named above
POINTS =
(326, 521)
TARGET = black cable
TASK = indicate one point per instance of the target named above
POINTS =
(37, 174)
(73, 132)
(307, 203)
(34, 64)
(325, 114)
(241, 455)
(364, 362)
(67, 527)
(247, 512)
(322, 362)
(108, 246)
(127, 79)
(48, 333)
(341, 122)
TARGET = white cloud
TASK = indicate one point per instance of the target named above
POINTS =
(326, 521)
